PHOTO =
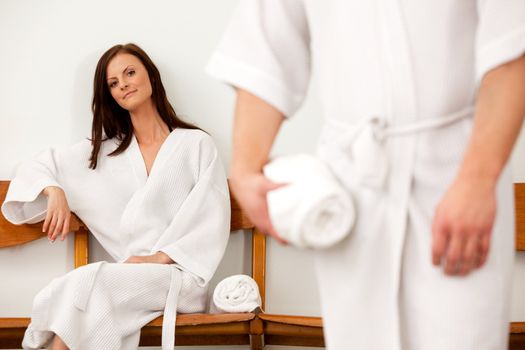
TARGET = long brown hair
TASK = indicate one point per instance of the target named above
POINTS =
(110, 119)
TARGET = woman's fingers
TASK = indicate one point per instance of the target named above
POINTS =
(52, 226)
(60, 224)
(65, 229)
(58, 215)
(47, 221)
(57, 226)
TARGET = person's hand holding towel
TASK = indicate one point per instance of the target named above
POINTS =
(237, 293)
(313, 210)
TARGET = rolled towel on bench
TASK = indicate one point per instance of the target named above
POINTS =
(313, 210)
(237, 293)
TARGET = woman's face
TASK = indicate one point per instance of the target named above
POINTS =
(128, 81)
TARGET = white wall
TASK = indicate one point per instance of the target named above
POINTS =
(48, 53)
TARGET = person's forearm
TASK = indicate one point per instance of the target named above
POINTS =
(500, 110)
(255, 128)
(50, 189)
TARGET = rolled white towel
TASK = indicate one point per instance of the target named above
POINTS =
(313, 210)
(237, 293)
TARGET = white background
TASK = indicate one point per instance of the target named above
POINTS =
(48, 53)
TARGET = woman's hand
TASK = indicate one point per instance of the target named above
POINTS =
(462, 226)
(157, 258)
(58, 214)
(250, 190)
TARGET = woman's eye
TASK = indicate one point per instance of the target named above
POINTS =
(112, 84)
(131, 73)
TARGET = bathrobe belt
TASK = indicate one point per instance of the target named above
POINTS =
(170, 310)
(362, 144)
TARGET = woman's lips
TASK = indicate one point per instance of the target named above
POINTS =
(129, 93)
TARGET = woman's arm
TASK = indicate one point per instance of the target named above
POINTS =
(464, 218)
(35, 189)
(58, 213)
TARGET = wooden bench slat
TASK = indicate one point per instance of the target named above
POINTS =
(201, 329)
(293, 320)
(286, 340)
(200, 319)
(19, 322)
(182, 320)
(288, 330)
(517, 327)
(23, 234)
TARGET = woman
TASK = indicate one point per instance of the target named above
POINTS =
(143, 185)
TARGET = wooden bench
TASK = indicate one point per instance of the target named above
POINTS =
(257, 329)
(191, 329)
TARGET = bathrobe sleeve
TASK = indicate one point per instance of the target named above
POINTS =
(25, 202)
(265, 50)
(501, 34)
(198, 234)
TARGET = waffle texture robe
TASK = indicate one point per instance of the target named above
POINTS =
(182, 209)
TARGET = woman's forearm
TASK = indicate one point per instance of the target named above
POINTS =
(50, 189)
(255, 128)
(500, 111)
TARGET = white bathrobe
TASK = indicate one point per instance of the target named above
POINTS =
(182, 209)
(397, 79)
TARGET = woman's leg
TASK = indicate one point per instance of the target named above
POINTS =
(58, 344)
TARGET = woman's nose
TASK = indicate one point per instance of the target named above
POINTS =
(123, 85)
